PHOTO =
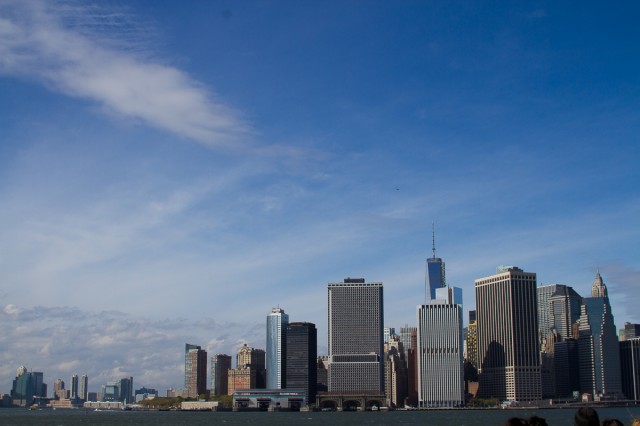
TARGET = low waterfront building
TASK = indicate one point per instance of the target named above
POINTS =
(270, 399)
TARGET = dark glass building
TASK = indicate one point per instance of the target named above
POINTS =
(630, 367)
(301, 371)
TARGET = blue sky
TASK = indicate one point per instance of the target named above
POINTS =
(171, 172)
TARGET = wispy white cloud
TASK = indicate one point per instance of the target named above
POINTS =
(109, 345)
(37, 42)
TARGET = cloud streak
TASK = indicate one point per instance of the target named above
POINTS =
(36, 43)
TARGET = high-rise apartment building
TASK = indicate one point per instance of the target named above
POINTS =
(355, 318)
(440, 360)
(508, 346)
(598, 349)
(435, 275)
(277, 322)
(74, 387)
(84, 388)
(220, 366)
(195, 370)
(302, 358)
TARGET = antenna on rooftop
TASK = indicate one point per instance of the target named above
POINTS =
(433, 238)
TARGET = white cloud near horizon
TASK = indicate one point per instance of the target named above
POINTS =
(109, 345)
(35, 43)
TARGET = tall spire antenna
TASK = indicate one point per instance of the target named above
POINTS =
(433, 239)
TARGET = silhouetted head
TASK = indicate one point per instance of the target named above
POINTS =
(612, 422)
(537, 421)
(586, 416)
(516, 421)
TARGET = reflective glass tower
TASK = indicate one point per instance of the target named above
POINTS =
(435, 277)
(277, 322)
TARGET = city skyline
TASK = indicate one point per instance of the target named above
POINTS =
(169, 174)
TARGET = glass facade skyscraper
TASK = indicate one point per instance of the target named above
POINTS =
(277, 322)
(301, 369)
(435, 276)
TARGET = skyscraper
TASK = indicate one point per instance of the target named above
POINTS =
(558, 309)
(195, 370)
(508, 346)
(302, 358)
(440, 360)
(125, 389)
(220, 366)
(630, 367)
(74, 387)
(27, 387)
(409, 340)
(277, 322)
(598, 349)
(355, 318)
(435, 276)
(84, 387)
(395, 372)
(250, 372)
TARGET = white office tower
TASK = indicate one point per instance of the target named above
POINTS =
(277, 322)
(355, 337)
(440, 350)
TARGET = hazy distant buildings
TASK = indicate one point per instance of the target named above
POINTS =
(195, 370)
(220, 366)
(440, 359)
(301, 358)
(508, 346)
(277, 322)
(144, 393)
(125, 390)
(355, 318)
(598, 348)
(28, 387)
(111, 392)
(59, 392)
